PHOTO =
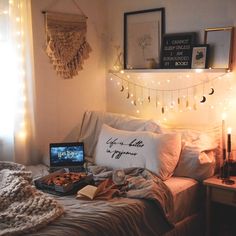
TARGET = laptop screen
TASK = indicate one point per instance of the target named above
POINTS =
(66, 154)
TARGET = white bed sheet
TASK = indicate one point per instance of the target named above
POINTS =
(187, 196)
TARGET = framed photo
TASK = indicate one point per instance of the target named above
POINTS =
(177, 50)
(200, 56)
(220, 42)
(143, 32)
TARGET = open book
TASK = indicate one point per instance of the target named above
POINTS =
(105, 190)
(87, 191)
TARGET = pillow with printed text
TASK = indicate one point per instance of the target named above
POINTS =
(123, 149)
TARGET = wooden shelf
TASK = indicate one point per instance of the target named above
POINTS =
(218, 70)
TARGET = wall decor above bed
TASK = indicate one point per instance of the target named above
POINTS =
(66, 43)
(143, 32)
(165, 94)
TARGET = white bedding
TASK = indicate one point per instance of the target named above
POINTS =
(187, 196)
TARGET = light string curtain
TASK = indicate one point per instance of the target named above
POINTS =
(16, 81)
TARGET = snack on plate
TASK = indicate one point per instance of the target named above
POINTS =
(65, 178)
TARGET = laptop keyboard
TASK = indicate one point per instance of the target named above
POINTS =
(74, 169)
(68, 169)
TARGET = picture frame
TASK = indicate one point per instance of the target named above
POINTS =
(200, 56)
(177, 50)
(220, 42)
(143, 31)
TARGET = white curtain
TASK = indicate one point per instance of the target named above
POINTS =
(16, 82)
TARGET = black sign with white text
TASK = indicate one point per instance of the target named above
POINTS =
(177, 50)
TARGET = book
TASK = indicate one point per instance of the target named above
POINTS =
(88, 191)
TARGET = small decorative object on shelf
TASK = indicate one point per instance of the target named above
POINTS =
(118, 61)
(200, 56)
(177, 50)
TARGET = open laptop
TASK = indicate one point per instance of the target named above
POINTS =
(69, 156)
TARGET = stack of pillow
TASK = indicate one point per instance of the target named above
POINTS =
(121, 141)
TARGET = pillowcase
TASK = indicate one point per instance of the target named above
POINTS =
(200, 152)
(93, 121)
(196, 164)
(122, 149)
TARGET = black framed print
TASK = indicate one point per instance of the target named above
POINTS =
(177, 50)
(200, 56)
(143, 31)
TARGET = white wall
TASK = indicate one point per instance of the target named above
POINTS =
(60, 104)
(180, 16)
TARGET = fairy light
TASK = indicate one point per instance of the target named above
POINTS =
(22, 135)
(198, 70)
(156, 99)
(183, 101)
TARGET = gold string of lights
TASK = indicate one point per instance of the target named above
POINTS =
(166, 99)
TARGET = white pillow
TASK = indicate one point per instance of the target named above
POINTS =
(93, 120)
(195, 164)
(201, 152)
(122, 149)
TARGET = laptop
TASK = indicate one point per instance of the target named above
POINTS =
(68, 156)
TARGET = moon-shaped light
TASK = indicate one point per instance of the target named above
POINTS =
(122, 88)
(203, 99)
(212, 91)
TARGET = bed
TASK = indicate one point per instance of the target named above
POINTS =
(166, 204)
(143, 218)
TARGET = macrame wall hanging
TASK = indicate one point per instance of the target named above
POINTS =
(66, 43)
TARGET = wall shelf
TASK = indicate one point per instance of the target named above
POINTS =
(218, 70)
(196, 75)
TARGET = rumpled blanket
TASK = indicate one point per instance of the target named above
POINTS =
(140, 184)
(142, 208)
(23, 209)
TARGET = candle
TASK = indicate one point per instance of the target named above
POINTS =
(229, 140)
(223, 136)
(223, 130)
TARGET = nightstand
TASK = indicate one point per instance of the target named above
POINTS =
(220, 193)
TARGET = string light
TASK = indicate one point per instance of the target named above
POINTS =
(182, 99)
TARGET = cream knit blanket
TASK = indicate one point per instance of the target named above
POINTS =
(23, 209)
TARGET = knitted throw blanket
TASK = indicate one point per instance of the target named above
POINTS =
(23, 209)
(66, 43)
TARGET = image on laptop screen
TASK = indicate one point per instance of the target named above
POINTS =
(66, 154)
